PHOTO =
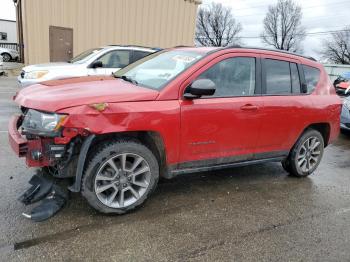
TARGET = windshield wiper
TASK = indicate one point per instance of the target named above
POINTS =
(128, 79)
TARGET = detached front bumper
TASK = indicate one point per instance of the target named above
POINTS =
(35, 151)
(18, 143)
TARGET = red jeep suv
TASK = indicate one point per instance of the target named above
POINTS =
(177, 111)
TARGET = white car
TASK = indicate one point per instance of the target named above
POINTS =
(1, 66)
(97, 61)
(9, 54)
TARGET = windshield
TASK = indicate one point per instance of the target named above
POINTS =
(81, 58)
(156, 70)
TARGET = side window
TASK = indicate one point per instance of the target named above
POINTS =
(232, 77)
(312, 75)
(137, 55)
(277, 77)
(115, 59)
(294, 73)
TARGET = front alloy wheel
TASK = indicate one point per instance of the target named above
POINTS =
(120, 176)
(122, 180)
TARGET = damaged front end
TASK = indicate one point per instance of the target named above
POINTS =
(41, 138)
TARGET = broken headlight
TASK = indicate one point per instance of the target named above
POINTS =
(42, 123)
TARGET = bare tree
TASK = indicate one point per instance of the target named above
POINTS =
(337, 47)
(216, 26)
(282, 26)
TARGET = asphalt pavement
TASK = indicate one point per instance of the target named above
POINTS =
(255, 213)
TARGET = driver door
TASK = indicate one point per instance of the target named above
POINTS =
(223, 128)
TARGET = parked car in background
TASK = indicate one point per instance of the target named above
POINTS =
(1, 66)
(97, 61)
(345, 114)
(174, 112)
(9, 54)
(342, 84)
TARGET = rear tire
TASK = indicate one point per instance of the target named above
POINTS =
(306, 154)
(120, 176)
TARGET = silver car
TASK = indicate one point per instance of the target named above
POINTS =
(97, 61)
(9, 54)
(345, 114)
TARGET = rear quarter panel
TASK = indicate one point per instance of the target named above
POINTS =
(326, 105)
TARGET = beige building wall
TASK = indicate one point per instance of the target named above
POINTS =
(158, 23)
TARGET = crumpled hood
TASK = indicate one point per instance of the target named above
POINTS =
(50, 66)
(54, 95)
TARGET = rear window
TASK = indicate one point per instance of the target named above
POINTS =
(277, 77)
(139, 54)
(312, 75)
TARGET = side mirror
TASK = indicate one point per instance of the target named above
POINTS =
(304, 88)
(200, 87)
(96, 64)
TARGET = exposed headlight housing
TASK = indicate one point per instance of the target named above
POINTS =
(35, 74)
(42, 123)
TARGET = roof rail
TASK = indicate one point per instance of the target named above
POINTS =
(282, 51)
(267, 49)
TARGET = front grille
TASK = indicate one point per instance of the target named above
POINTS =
(22, 73)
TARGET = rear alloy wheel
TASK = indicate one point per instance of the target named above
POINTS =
(306, 154)
(6, 57)
(120, 177)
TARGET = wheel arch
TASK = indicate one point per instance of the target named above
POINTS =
(151, 139)
(7, 54)
(324, 128)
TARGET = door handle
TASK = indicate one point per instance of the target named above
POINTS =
(249, 107)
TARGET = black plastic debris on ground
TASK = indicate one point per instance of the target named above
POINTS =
(52, 198)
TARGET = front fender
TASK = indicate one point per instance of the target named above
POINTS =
(162, 117)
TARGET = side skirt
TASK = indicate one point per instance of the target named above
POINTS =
(176, 172)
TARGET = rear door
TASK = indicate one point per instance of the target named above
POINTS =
(223, 128)
(285, 107)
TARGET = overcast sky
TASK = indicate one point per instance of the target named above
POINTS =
(7, 10)
(318, 16)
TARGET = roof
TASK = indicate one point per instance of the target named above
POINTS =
(135, 47)
(201, 49)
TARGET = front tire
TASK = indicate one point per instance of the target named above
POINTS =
(306, 154)
(120, 176)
